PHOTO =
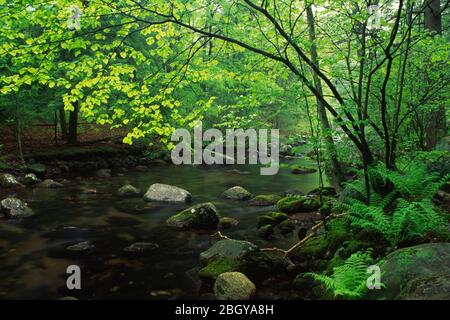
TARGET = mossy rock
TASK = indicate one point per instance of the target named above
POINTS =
(272, 218)
(237, 193)
(217, 266)
(296, 169)
(201, 216)
(262, 265)
(320, 247)
(409, 264)
(266, 231)
(227, 222)
(313, 249)
(286, 227)
(298, 204)
(265, 200)
(231, 249)
(326, 191)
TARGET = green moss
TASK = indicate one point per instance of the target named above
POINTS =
(315, 247)
(337, 232)
(216, 267)
(298, 204)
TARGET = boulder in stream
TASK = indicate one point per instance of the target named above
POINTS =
(234, 286)
(128, 191)
(14, 208)
(166, 193)
(30, 179)
(237, 193)
(9, 181)
(200, 216)
(298, 204)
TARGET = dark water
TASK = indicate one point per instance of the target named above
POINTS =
(33, 255)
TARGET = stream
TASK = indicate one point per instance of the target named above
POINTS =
(34, 258)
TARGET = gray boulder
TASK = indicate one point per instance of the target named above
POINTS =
(166, 193)
(202, 216)
(237, 193)
(233, 286)
(14, 208)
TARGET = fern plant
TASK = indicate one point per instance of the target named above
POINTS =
(348, 280)
(407, 213)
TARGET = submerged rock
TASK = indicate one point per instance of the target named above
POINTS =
(9, 181)
(237, 193)
(166, 193)
(298, 204)
(81, 246)
(265, 200)
(14, 208)
(141, 247)
(128, 191)
(234, 286)
(51, 184)
(202, 216)
(141, 168)
(103, 173)
(295, 169)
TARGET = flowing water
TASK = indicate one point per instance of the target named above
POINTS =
(33, 255)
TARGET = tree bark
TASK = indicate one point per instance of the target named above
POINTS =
(326, 128)
(72, 137)
(436, 122)
(63, 123)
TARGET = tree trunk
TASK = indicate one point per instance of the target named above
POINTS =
(436, 122)
(326, 128)
(72, 137)
(63, 123)
(19, 136)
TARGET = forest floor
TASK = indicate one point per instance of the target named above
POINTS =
(39, 137)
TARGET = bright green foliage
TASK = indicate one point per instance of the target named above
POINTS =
(348, 280)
